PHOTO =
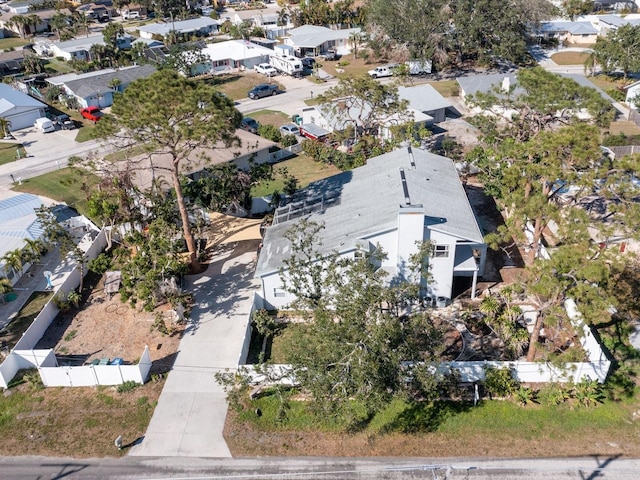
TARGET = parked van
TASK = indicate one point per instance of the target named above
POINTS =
(44, 125)
(382, 71)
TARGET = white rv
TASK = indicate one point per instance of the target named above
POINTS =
(287, 64)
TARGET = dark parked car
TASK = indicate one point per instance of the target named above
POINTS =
(64, 122)
(308, 62)
(249, 124)
(263, 90)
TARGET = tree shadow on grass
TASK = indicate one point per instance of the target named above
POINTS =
(425, 417)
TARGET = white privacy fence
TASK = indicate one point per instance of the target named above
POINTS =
(23, 356)
(595, 368)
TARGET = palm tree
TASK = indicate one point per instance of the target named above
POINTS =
(36, 248)
(5, 126)
(58, 22)
(19, 21)
(13, 259)
(5, 287)
(355, 39)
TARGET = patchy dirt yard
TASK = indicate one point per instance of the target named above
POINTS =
(107, 328)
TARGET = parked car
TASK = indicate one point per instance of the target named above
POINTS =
(289, 129)
(265, 69)
(44, 125)
(92, 113)
(329, 55)
(249, 124)
(64, 122)
(308, 62)
(263, 90)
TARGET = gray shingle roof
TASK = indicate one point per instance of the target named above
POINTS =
(84, 87)
(365, 201)
(423, 98)
(486, 83)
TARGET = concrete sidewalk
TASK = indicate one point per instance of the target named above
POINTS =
(191, 411)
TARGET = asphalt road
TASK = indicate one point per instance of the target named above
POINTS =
(588, 468)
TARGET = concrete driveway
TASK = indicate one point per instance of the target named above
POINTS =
(191, 411)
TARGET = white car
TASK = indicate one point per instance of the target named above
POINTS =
(265, 69)
(289, 129)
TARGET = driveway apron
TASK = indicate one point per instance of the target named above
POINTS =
(191, 411)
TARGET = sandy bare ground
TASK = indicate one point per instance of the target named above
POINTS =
(107, 328)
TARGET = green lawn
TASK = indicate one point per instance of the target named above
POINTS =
(270, 117)
(8, 152)
(446, 88)
(25, 317)
(12, 42)
(86, 131)
(305, 169)
(64, 185)
(53, 65)
(236, 86)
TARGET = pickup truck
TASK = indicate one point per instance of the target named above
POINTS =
(92, 113)
(382, 71)
(329, 55)
(263, 90)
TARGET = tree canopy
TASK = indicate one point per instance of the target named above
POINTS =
(351, 354)
(169, 115)
(619, 50)
(454, 30)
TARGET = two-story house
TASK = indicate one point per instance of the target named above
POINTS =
(393, 203)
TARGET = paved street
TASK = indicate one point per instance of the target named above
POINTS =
(192, 408)
(590, 468)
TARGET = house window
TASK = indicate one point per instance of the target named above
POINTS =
(358, 254)
(278, 293)
(441, 251)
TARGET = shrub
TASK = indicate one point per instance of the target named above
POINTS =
(553, 394)
(289, 140)
(100, 264)
(270, 132)
(500, 382)
(127, 386)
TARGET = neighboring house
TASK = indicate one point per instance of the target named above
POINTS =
(326, 118)
(18, 222)
(251, 146)
(231, 56)
(607, 23)
(395, 200)
(45, 17)
(80, 48)
(22, 6)
(426, 99)
(98, 10)
(134, 8)
(19, 108)
(97, 88)
(581, 32)
(269, 22)
(633, 95)
(316, 40)
(11, 62)
(500, 83)
(200, 26)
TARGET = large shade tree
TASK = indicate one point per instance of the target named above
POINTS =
(541, 160)
(169, 115)
(619, 50)
(444, 30)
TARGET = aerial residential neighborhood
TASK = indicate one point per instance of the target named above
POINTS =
(382, 229)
